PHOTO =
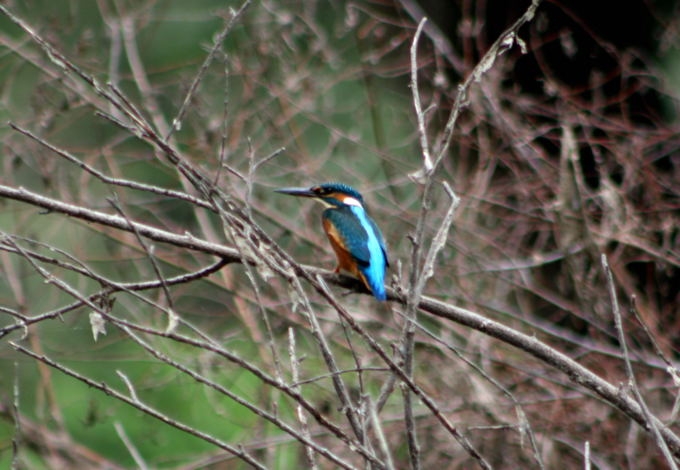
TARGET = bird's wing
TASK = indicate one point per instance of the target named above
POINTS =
(347, 232)
(381, 240)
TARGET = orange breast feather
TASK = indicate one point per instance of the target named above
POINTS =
(345, 260)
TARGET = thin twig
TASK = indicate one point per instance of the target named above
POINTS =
(176, 122)
(146, 409)
(348, 407)
(132, 449)
(169, 193)
(380, 434)
(302, 418)
(415, 92)
(16, 438)
(305, 440)
(139, 74)
(403, 376)
(649, 418)
(111, 288)
(575, 371)
(253, 369)
(147, 250)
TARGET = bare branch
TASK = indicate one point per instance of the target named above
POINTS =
(649, 418)
(141, 406)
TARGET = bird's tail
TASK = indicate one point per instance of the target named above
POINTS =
(376, 285)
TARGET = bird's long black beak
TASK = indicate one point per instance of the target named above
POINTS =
(303, 192)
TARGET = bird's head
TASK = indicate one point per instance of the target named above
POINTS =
(330, 194)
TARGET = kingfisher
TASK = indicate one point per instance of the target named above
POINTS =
(354, 236)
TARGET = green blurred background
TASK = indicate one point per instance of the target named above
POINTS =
(329, 83)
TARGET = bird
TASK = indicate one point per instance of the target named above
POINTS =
(356, 239)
